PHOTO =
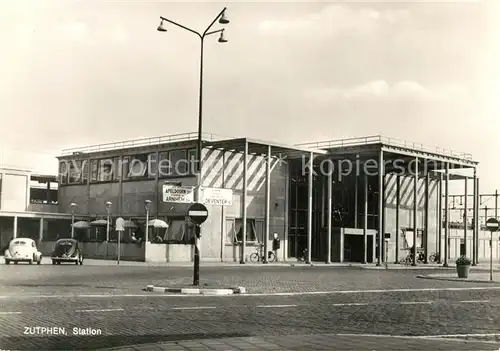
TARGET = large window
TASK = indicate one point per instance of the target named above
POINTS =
(94, 165)
(192, 160)
(75, 172)
(63, 172)
(108, 169)
(179, 162)
(234, 230)
(102, 170)
(176, 163)
(139, 166)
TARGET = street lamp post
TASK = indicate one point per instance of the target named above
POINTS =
(108, 209)
(73, 209)
(222, 20)
(147, 204)
(222, 39)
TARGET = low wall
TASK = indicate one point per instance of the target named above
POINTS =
(101, 250)
(169, 253)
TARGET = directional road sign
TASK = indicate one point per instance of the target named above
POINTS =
(198, 213)
(492, 224)
(120, 224)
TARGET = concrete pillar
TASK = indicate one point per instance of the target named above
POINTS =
(398, 208)
(268, 203)
(356, 200)
(478, 223)
(380, 205)
(48, 192)
(329, 214)
(287, 211)
(323, 201)
(223, 211)
(384, 202)
(446, 214)
(426, 218)
(365, 219)
(244, 200)
(40, 231)
(466, 208)
(415, 211)
(14, 229)
(440, 218)
(309, 206)
(474, 228)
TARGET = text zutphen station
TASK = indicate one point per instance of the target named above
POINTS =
(326, 201)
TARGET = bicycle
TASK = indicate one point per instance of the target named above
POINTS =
(408, 259)
(303, 258)
(258, 256)
(434, 257)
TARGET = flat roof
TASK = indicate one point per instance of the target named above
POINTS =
(261, 147)
(391, 145)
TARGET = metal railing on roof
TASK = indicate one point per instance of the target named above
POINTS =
(152, 141)
(378, 139)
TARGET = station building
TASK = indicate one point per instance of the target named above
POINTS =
(331, 212)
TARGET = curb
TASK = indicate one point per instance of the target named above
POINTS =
(462, 280)
(196, 291)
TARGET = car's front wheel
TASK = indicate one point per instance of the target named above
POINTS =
(15, 262)
(39, 262)
(53, 262)
(81, 260)
(7, 262)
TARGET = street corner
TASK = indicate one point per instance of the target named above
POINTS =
(197, 291)
(478, 278)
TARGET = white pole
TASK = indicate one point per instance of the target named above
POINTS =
(147, 225)
(491, 256)
(119, 239)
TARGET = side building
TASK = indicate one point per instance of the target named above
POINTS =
(29, 207)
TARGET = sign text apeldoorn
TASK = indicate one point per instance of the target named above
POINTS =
(177, 194)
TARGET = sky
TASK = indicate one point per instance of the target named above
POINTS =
(74, 73)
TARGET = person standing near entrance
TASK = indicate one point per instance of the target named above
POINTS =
(276, 245)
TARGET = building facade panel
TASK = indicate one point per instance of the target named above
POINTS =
(406, 225)
(15, 190)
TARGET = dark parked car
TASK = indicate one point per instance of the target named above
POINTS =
(67, 250)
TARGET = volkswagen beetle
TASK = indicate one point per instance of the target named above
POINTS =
(22, 250)
(67, 250)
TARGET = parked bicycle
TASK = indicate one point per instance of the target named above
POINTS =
(304, 257)
(258, 256)
(434, 257)
(408, 259)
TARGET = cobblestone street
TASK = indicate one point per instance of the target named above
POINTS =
(282, 301)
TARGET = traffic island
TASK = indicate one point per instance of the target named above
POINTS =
(473, 278)
(197, 291)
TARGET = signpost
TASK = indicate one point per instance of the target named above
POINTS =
(218, 196)
(492, 225)
(119, 227)
(178, 194)
(387, 238)
(198, 214)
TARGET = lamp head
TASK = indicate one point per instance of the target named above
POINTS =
(223, 19)
(108, 204)
(222, 38)
(147, 203)
(73, 205)
(161, 27)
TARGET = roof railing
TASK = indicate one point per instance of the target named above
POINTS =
(378, 139)
(152, 141)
